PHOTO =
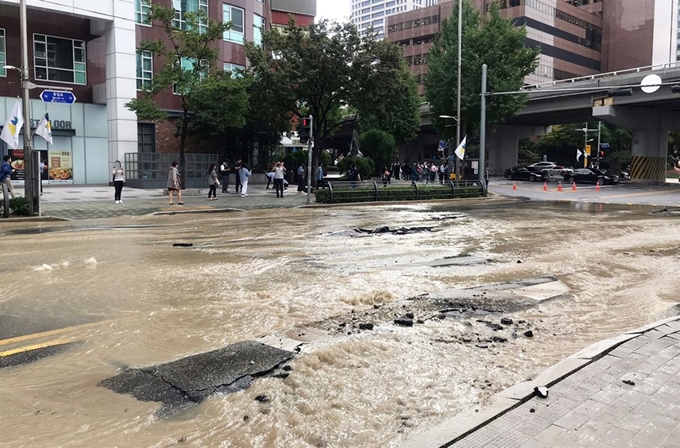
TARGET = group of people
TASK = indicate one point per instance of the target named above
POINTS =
(428, 172)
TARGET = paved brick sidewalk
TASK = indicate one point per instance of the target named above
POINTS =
(97, 202)
(629, 397)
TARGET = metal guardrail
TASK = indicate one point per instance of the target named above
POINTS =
(627, 71)
(380, 190)
(5, 200)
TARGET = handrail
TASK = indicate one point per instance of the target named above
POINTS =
(665, 65)
(5, 200)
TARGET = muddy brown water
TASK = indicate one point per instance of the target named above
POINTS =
(282, 271)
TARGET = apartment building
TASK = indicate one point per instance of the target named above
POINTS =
(91, 48)
(576, 37)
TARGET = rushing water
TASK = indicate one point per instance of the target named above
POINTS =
(255, 273)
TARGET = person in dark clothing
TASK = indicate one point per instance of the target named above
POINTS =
(237, 180)
(396, 168)
(301, 178)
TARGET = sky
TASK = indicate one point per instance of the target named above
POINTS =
(333, 9)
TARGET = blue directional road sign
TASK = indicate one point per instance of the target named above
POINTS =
(54, 96)
(604, 145)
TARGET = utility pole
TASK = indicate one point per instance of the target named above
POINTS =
(30, 166)
(309, 159)
(460, 66)
(599, 135)
(482, 134)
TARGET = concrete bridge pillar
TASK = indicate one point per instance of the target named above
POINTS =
(650, 129)
(503, 145)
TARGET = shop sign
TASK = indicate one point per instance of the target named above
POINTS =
(60, 167)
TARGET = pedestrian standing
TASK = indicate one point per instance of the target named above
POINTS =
(442, 171)
(224, 171)
(486, 177)
(244, 175)
(43, 165)
(237, 170)
(6, 174)
(385, 175)
(118, 181)
(319, 176)
(301, 178)
(279, 174)
(175, 184)
(213, 182)
(396, 168)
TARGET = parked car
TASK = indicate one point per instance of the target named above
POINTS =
(553, 169)
(591, 176)
(526, 173)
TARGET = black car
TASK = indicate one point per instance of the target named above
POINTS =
(529, 173)
(591, 176)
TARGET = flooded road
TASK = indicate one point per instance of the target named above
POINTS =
(255, 273)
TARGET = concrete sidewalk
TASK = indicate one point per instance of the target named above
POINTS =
(83, 202)
(622, 392)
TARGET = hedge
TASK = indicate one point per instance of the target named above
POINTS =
(400, 193)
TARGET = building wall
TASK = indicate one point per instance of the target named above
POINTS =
(638, 34)
(373, 14)
(107, 28)
(569, 36)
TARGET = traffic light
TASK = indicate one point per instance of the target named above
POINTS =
(601, 153)
(305, 129)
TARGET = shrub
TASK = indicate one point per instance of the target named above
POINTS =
(19, 206)
(364, 164)
(344, 194)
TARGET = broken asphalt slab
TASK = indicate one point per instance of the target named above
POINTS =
(192, 379)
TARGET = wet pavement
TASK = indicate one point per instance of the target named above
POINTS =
(627, 396)
(87, 202)
(305, 275)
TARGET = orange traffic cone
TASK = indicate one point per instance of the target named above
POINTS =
(514, 186)
(559, 186)
(573, 186)
(597, 186)
(545, 186)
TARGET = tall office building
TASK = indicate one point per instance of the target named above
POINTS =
(367, 14)
(576, 37)
(91, 48)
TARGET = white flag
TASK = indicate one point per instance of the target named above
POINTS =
(460, 150)
(44, 129)
(578, 154)
(15, 121)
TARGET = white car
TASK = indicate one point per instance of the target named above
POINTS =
(552, 169)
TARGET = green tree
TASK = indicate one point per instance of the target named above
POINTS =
(321, 68)
(490, 40)
(389, 99)
(186, 55)
(379, 146)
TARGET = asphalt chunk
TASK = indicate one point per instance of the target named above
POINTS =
(194, 378)
(30, 356)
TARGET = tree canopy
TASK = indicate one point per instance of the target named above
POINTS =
(490, 40)
(326, 68)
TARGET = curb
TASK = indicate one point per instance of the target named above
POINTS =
(466, 423)
(186, 212)
(34, 219)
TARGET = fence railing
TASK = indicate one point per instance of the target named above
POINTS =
(150, 170)
(366, 191)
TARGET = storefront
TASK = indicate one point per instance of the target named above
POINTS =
(79, 154)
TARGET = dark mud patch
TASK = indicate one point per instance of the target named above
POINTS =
(664, 212)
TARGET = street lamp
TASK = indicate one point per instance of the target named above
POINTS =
(449, 117)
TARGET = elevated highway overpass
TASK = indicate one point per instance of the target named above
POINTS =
(649, 116)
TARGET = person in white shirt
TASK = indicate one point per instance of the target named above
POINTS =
(279, 174)
(244, 174)
(224, 170)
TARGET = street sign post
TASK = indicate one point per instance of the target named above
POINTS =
(55, 96)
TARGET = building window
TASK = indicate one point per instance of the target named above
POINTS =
(146, 137)
(144, 70)
(258, 28)
(184, 6)
(142, 11)
(59, 60)
(235, 16)
(3, 54)
(235, 69)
